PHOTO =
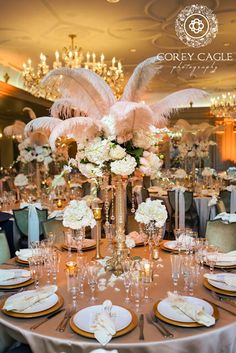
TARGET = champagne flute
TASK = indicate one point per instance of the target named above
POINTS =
(92, 275)
(175, 269)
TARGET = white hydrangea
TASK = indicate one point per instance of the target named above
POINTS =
(151, 210)
(125, 166)
(21, 180)
(116, 152)
(90, 170)
(97, 150)
(180, 174)
(150, 164)
(78, 215)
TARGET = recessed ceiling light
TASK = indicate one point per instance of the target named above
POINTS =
(133, 50)
(113, 1)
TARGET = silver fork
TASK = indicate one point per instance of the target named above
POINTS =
(160, 329)
(62, 325)
(229, 301)
(156, 320)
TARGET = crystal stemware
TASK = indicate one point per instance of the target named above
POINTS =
(175, 269)
(92, 275)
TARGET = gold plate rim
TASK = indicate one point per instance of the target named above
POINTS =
(64, 246)
(127, 329)
(163, 247)
(220, 266)
(22, 261)
(55, 307)
(218, 290)
(18, 285)
(180, 323)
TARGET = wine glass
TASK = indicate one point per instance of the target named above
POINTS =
(179, 237)
(175, 269)
(92, 275)
(137, 290)
(127, 284)
(81, 263)
(211, 256)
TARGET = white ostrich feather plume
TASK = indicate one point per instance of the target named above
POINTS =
(85, 87)
(45, 124)
(78, 128)
(130, 117)
(15, 129)
(38, 138)
(62, 109)
(30, 111)
(140, 78)
(176, 100)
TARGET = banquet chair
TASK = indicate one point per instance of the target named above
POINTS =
(191, 216)
(225, 198)
(22, 348)
(56, 227)
(222, 235)
(21, 220)
(4, 248)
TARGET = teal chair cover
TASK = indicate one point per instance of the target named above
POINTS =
(4, 248)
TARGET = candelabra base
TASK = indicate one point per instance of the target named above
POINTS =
(115, 264)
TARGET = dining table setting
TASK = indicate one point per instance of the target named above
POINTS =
(165, 299)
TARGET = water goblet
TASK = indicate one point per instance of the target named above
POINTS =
(137, 290)
(147, 272)
(175, 269)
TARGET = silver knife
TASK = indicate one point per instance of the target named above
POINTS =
(46, 319)
(141, 325)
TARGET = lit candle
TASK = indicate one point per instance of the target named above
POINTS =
(71, 266)
(102, 58)
(147, 269)
(155, 254)
(59, 203)
(88, 56)
(29, 62)
(113, 62)
(94, 57)
(57, 56)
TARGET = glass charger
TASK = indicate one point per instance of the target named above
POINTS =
(125, 320)
(163, 310)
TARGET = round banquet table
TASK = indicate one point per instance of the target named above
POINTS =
(219, 338)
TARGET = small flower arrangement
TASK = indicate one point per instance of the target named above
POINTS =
(21, 180)
(180, 174)
(30, 152)
(151, 211)
(207, 172)
(78, 215)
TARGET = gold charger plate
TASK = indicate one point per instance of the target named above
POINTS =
(64, 246)
(22, 262)
(163, 247)
(180, 323)
(18, 285)
(55, 307)
(218, 290)
(129, 328)
(221, 266)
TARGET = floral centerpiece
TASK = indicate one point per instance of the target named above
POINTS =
(78, 215)
(21, 180)
(30, 152)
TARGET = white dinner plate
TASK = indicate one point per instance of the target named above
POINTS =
(165, 309)
(42, 305)
(85, 317)
(19, 277)
(87, 243)
(222, 285)
(25, 254)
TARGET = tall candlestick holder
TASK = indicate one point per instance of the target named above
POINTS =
(97, 230)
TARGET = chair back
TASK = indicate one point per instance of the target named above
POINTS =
(225, 196)
(222, 235)
(21, 219)
(220, 206)
(188, 198)
(4, 248)
(56, 227)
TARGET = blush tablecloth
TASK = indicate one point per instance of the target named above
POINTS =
(220, 338)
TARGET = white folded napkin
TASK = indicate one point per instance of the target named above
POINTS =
(212, 201)
(24, 254)
(6, 275)
(227, 257)
(56, 214)
(26, 204)
(21, 301)
(226, 217)
(102, 326)
(224, 278)
(195, 312)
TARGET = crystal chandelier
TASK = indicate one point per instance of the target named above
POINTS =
(72, 57)
(223, 106)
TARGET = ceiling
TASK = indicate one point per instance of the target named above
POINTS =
(146, 26)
